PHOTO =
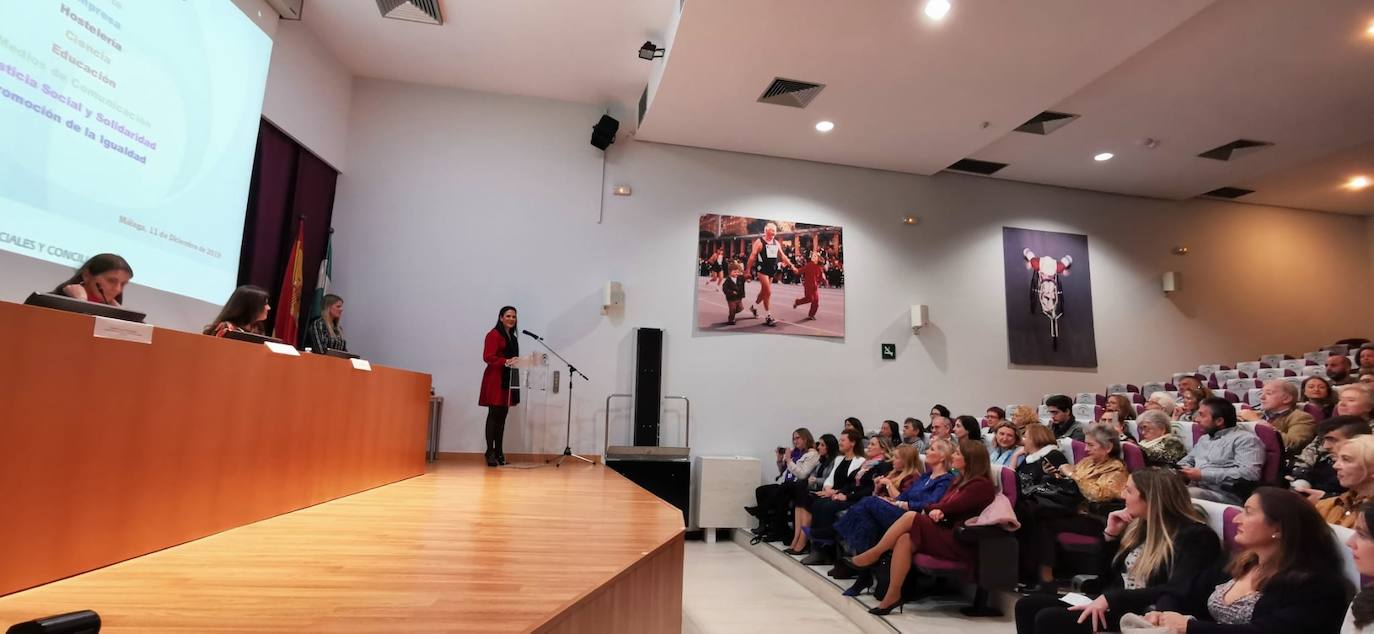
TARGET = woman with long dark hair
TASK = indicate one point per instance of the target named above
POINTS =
(1162, 539)
(1360, 618)
(101, 280)
(499, 353)
(1287, 576)
(246, 311)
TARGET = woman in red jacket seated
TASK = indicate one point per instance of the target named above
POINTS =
(499, 352)
(932, 532)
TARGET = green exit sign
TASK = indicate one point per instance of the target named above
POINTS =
(889, 351)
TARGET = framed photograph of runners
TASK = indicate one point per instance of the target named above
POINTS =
(769, 276)
(1049, 298)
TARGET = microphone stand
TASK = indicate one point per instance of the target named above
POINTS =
(573, 373)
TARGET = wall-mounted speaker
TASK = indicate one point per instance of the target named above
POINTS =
(603, 133)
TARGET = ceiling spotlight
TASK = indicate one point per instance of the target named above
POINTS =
(909, 220)
(1359, 182)
(1105, 156)
(825, 126)
(1370, 30)
(650, 52)
(937, 9)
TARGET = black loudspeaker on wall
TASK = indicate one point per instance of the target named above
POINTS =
(648, 385)
(603, 133)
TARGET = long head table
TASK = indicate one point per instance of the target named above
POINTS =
(111, 449)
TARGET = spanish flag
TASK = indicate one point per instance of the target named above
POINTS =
(289, 304)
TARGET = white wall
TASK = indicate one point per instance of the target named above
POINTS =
(308, 93)
(457, 203)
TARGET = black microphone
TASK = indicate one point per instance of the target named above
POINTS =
(103, 298)
(532, 335)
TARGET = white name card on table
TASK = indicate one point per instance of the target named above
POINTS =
(361, 364)
(281, 348)
(106, 328)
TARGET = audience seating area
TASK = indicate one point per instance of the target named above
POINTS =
(994, 568)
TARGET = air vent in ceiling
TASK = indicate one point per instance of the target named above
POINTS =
(975, 166)
(1047, 122)
(1229, 193)
(423, 11)
(1235, 149)
(790, 92)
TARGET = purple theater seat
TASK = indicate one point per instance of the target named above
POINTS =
(1273, 452)
(1315, 411)
(1009, 485)
(935, 564)
(1080, 450)
(1228, 527)
(1197, 433)
(1132, 456)
(1079, 543)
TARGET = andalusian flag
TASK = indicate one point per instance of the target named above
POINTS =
(289, 304)
(322, 282)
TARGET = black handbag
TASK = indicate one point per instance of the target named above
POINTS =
(1056, 495)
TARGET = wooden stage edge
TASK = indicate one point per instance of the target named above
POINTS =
(514, 458)
(461, 548)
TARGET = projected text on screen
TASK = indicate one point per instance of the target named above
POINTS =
(129, 127)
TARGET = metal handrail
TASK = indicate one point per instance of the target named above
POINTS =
(687, 428)
(607, 447)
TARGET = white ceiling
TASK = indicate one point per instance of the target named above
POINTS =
(911, 95)
(905, 93)
(583, 51)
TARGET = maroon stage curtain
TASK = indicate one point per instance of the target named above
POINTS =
(288, 182)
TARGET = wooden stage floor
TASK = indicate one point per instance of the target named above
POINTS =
(462, 548)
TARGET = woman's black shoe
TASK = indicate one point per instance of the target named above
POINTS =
(849, 561)
(752, 510)
(881, 611)
(491, 458)
(788, 551)
(500, 458)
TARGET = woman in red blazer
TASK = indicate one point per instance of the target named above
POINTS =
(499, 351)
(932, 532)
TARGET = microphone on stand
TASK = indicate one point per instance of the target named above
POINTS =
(532, 335)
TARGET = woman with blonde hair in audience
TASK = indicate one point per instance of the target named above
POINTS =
(1037, 443)
(1100, 477)
(1006, 441)
(864, 524)
(1022, 415)
(1160, 446)
(932, 532)
(1163, 402)
(1161, 539)
(1356, 400)
(1286, 576)
(1189, 402)
(1355, 470)
(1360, 618)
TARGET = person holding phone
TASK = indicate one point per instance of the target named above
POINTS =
(101, 280)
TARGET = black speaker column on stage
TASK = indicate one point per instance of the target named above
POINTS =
(648, 393)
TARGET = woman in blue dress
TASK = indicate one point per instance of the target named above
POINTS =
(865, 523)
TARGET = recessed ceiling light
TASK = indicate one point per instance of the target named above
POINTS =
(1104, 156)
(1370, 30)
(825, 126)
(937, 9)
(1359, 182)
